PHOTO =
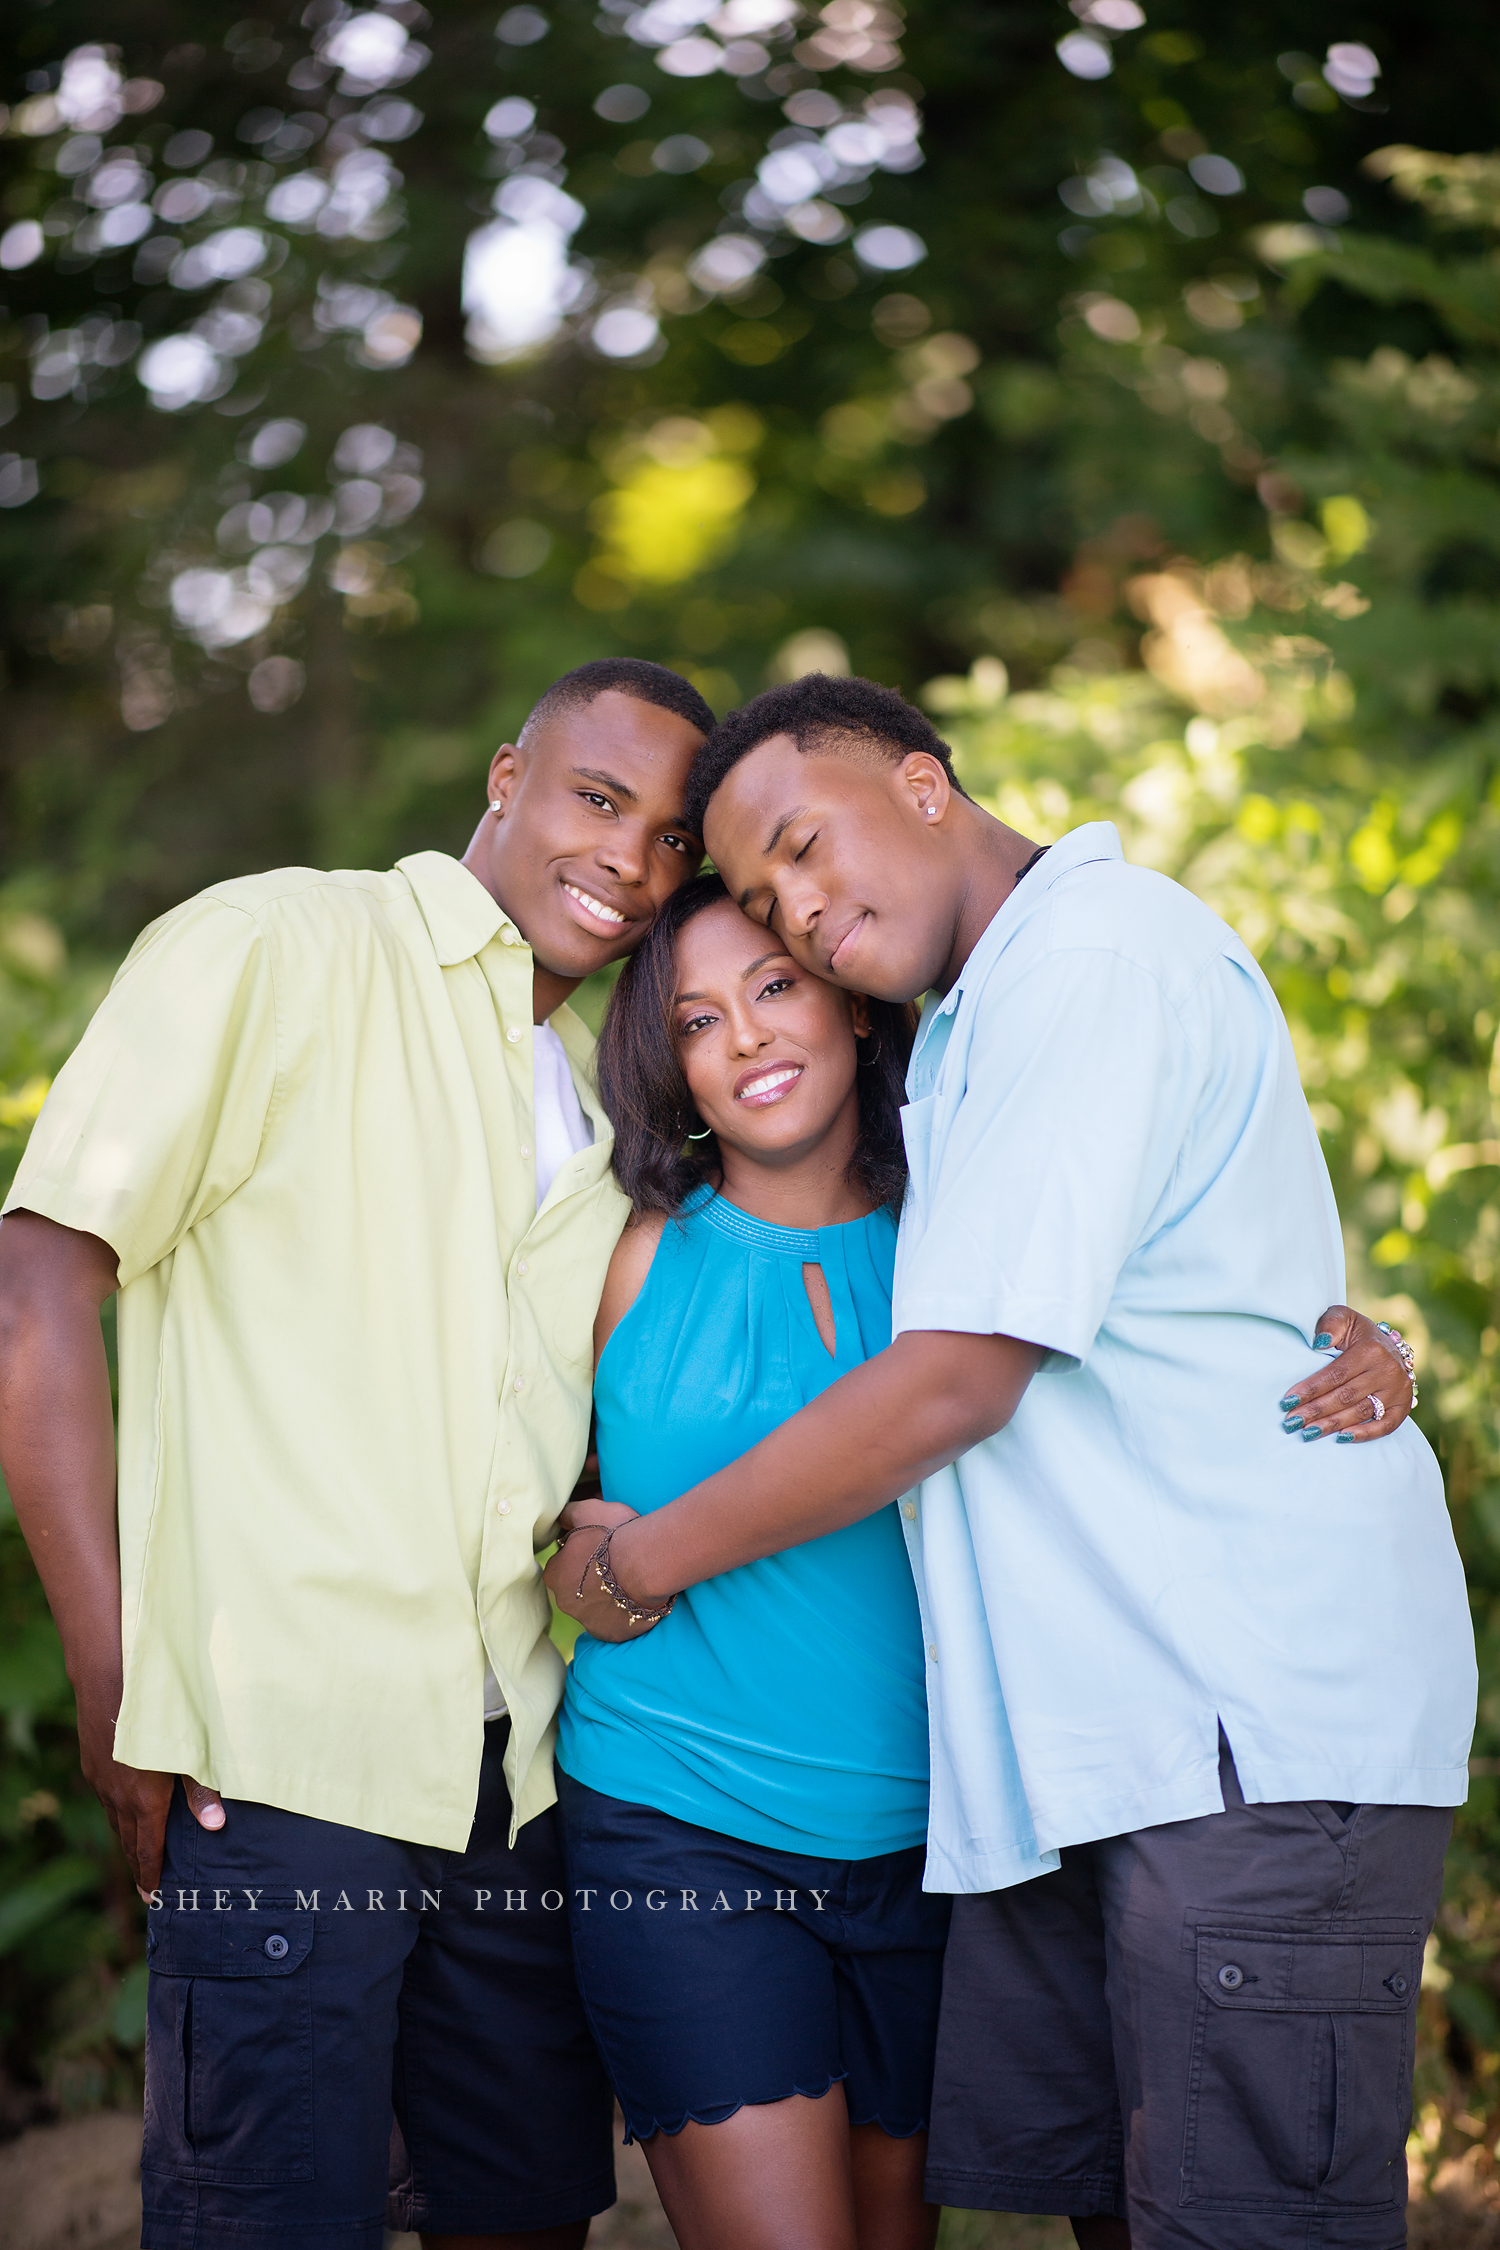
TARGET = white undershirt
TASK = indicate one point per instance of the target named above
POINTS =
(561, 1131)
(561, 1127)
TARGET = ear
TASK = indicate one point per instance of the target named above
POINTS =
(504, 774)
(859, 1015)
(924, 787)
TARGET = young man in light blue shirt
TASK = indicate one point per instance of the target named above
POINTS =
(1201, 1689)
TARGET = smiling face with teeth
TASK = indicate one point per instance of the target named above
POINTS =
(588, 840)
(768, 1051)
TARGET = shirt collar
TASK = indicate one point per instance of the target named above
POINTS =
(1095, 840)
(460, 914)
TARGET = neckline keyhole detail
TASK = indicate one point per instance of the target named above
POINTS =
(815, 1282)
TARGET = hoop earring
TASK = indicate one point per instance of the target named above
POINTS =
(703, 1136)
(865, 1061)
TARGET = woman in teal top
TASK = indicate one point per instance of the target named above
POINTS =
(785, 1704)
(744, 1790)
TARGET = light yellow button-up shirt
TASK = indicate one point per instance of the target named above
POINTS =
(355, 1358)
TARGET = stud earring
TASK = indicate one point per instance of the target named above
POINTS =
(932, 812)
(497, 809)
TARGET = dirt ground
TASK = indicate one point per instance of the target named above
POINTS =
(76, 2186)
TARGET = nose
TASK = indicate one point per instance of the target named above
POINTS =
(624, 852)
(802, 905)
(747, 1035)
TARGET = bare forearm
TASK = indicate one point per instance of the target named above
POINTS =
(873, 1435)
(57, 1448)
(57, 1433)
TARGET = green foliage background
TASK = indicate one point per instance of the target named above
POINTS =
(1175, 499)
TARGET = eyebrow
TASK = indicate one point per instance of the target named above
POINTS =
(781, 828)
(607, 781)
(777, 953)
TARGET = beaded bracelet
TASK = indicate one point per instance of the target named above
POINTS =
(1404, 1353)
(639, 1613)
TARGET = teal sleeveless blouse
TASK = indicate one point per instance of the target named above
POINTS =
(784, 1703)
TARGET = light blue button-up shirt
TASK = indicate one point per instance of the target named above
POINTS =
(1111, 1157)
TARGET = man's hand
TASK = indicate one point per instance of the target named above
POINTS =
(135, 1802)
(1335, 1402)
(571, 1576)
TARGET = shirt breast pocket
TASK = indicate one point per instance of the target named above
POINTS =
(918, 1130)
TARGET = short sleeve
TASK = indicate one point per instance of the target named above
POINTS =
(1080, 1090)
(157, 1116)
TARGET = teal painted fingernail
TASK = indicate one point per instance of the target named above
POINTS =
(1345, 1437)
(1321, 1343)
(1311, 1432)
(1292, 1422)
(1290, 1405)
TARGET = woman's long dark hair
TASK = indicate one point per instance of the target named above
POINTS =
(646, 1094)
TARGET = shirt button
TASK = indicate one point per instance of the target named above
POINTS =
(514, 1033)
(276, 1948)
(909, 1510)
(520, 1265)
(1231, 1976)
(525, 1148)
(502, 1507)
(932, 1650)
(519, 1383)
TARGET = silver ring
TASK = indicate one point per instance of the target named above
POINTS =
(1377, 1407)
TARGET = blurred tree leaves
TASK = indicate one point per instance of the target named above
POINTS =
(259, 627)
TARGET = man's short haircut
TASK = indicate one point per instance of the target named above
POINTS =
(820, 713)
(626, 675)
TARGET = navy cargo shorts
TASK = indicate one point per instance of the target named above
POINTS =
(1206, 2027)
(346, 2031)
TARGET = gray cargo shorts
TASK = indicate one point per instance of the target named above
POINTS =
(1206, 2027)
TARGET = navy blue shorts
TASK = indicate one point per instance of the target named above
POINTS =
(717, 1973)
(414, 2035)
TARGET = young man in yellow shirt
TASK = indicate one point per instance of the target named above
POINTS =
(334, 1140)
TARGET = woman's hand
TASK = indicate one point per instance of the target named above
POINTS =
(572, 1579)
(1336, 1402)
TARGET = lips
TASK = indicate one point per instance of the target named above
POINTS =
(767, 1083)
(844, 948)
(593, 912)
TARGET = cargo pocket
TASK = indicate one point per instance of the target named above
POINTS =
(1299, 2094)
(229, 2045)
